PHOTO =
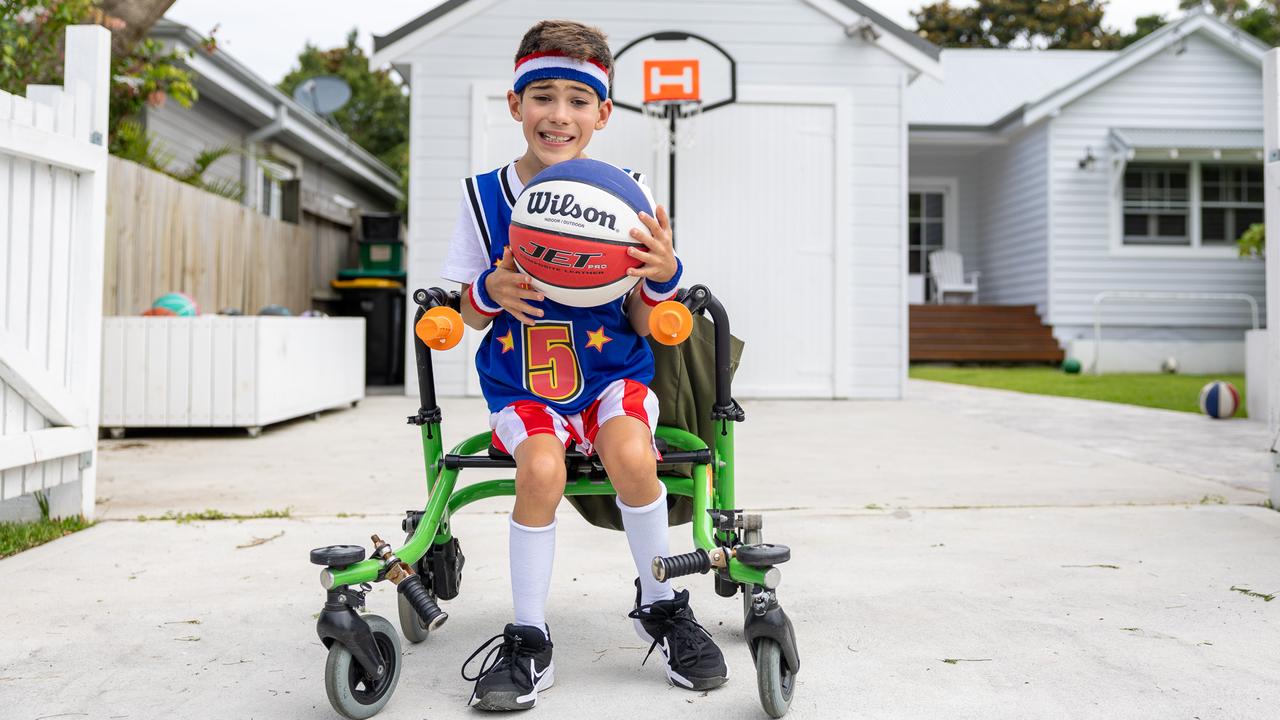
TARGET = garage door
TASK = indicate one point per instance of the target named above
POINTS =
(756, 224)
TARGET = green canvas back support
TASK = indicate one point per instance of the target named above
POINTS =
(685, 382)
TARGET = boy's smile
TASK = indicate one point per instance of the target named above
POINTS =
(558, 118)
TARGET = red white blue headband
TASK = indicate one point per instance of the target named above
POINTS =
(555, 65)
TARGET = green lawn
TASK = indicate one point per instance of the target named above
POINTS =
(18, 536)
(1171, 392)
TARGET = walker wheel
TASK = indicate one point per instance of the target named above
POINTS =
(350, 692)
(440, 328)
(775, 681)
(337, 556)
(762, 554)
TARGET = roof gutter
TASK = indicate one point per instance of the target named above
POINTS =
(266, 100)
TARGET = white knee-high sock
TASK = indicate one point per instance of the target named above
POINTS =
(533, 550)
(647, 534)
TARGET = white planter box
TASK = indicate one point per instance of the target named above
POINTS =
(216, 371)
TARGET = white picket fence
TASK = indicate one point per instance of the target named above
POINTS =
(1271, 190)
(53, 165)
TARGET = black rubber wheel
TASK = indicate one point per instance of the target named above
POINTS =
(350, 693)
(774, 679)
(415, 631)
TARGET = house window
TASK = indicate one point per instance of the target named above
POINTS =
(1156, 204)
(280, 191)
(1190, 204)
(925, 219)
(1230, 201)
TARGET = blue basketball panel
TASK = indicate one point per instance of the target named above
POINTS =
(600, 174)
(1210, 403)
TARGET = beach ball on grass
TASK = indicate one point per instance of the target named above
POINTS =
(1219, 400)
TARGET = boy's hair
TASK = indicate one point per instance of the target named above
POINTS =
(578, 41)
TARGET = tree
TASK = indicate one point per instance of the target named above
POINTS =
(377, 116)
(1261, 21)
(136, 18)
(1142, 27)
(1065, 24)
(32, 37)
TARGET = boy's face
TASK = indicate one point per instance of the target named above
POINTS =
(558, 118)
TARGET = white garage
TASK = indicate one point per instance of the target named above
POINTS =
(790, 200)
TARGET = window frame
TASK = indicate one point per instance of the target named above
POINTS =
(949, 188)
(1195, 206)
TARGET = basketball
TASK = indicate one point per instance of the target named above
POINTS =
(570, 230)
(1219, 400)
(174, 303)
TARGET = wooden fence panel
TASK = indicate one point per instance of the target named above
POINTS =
(166, 236)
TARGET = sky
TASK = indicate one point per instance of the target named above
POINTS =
(267, 35)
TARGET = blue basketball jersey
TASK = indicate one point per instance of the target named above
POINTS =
(571, 354)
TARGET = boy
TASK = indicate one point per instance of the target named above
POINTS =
(553, 375)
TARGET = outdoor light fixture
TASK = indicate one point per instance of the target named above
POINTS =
(1086, 162)
(865, 28)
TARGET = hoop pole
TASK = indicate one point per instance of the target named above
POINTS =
(671, 169)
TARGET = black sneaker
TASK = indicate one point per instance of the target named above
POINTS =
(521, 667)
(693, 660)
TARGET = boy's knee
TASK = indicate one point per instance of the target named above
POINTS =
(635, 455)
(540, 473)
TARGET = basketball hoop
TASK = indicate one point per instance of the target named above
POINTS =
(663, 133)
(672, 78)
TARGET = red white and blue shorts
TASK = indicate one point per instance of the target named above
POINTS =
(523, 418)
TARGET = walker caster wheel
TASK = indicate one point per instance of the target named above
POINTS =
(255, 431)
(415, 631)
(350, 692)
(774, 679)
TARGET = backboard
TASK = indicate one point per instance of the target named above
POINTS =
(673, 68)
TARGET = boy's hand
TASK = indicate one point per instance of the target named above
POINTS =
(510, 288)
(660, 260)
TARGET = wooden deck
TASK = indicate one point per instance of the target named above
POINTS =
(981, 333)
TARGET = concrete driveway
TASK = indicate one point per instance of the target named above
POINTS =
(964, 553)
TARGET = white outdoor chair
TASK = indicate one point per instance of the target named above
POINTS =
(946, 272)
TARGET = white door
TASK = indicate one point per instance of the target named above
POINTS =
(756, 224)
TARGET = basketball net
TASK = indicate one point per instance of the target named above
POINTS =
(688, 114)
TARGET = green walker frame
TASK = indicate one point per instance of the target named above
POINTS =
(364, 663)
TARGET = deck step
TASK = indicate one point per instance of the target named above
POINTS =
(980, 333)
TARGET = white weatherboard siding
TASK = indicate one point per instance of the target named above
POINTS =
(1012, 225)
(776, 43)
(187, 132)
(1205, 87)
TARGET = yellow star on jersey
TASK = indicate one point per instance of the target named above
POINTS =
(507, 341)
(596, 339)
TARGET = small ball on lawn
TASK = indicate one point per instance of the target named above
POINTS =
(1071, 366)
(1219, 400)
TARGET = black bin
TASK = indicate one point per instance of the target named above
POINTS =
(381, 303)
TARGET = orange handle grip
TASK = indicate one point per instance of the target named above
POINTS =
(670, 323)
(440, 328)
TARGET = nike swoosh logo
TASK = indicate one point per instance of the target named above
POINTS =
(537, 676)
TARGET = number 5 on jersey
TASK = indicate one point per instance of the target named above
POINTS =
(551, 367)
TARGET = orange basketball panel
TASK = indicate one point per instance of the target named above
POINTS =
(672, 80)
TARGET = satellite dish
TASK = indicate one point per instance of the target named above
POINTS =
(322, 94)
